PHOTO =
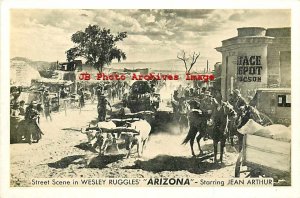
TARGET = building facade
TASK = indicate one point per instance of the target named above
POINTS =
(256, 58)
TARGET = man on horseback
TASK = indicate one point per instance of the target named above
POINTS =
(238, 102)
(242, 109)
(222, 114)
(206, 106)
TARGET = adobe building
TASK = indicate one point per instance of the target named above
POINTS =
(256, 58)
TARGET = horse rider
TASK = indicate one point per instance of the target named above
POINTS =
(238, 101)
(201, 94)
(102, 103)
(206, 106)
(180, 92)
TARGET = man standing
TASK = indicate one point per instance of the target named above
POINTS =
(47, 106)
(22, 108)
(63, 94)
(102, 103)
(81, 97)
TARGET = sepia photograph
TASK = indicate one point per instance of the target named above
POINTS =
(149, 97)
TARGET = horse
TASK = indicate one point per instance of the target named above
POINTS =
(221, 112)
(221, 115)
(197, 121)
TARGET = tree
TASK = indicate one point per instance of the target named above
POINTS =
(97, 45)
(182, 56)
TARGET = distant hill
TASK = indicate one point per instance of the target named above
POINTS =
(164, 65)
(21, 59)
(170, 64)
(43, 67)
(38, 65)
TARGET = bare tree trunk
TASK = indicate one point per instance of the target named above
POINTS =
(184, 58)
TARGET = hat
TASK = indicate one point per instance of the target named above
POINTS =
(33, 102)
(237, 92)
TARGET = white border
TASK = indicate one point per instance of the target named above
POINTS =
(6, 191)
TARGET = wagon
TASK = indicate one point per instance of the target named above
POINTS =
(142, 98)
(265, 157)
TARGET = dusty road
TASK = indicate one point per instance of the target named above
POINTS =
(61, 154)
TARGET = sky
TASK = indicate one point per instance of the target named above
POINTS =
(153, 35)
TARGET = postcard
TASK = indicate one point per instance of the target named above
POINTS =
(193, 98)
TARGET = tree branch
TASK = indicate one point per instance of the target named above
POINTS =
(194, 60)
(184, 59)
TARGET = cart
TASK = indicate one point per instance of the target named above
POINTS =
(265, 157)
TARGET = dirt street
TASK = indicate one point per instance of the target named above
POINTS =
(61, 153)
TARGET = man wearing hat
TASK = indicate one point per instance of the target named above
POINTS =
(206, 106)
(102, 103)
(238, 101)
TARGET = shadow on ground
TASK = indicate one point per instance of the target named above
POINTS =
(86, 147)
(173, 163)
(102, 161)
(66, 161)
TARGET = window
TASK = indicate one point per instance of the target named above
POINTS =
(284, 100)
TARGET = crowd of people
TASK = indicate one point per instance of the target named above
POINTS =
(106, 93)
(112, 89)
(40, 102)
(25, 120)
